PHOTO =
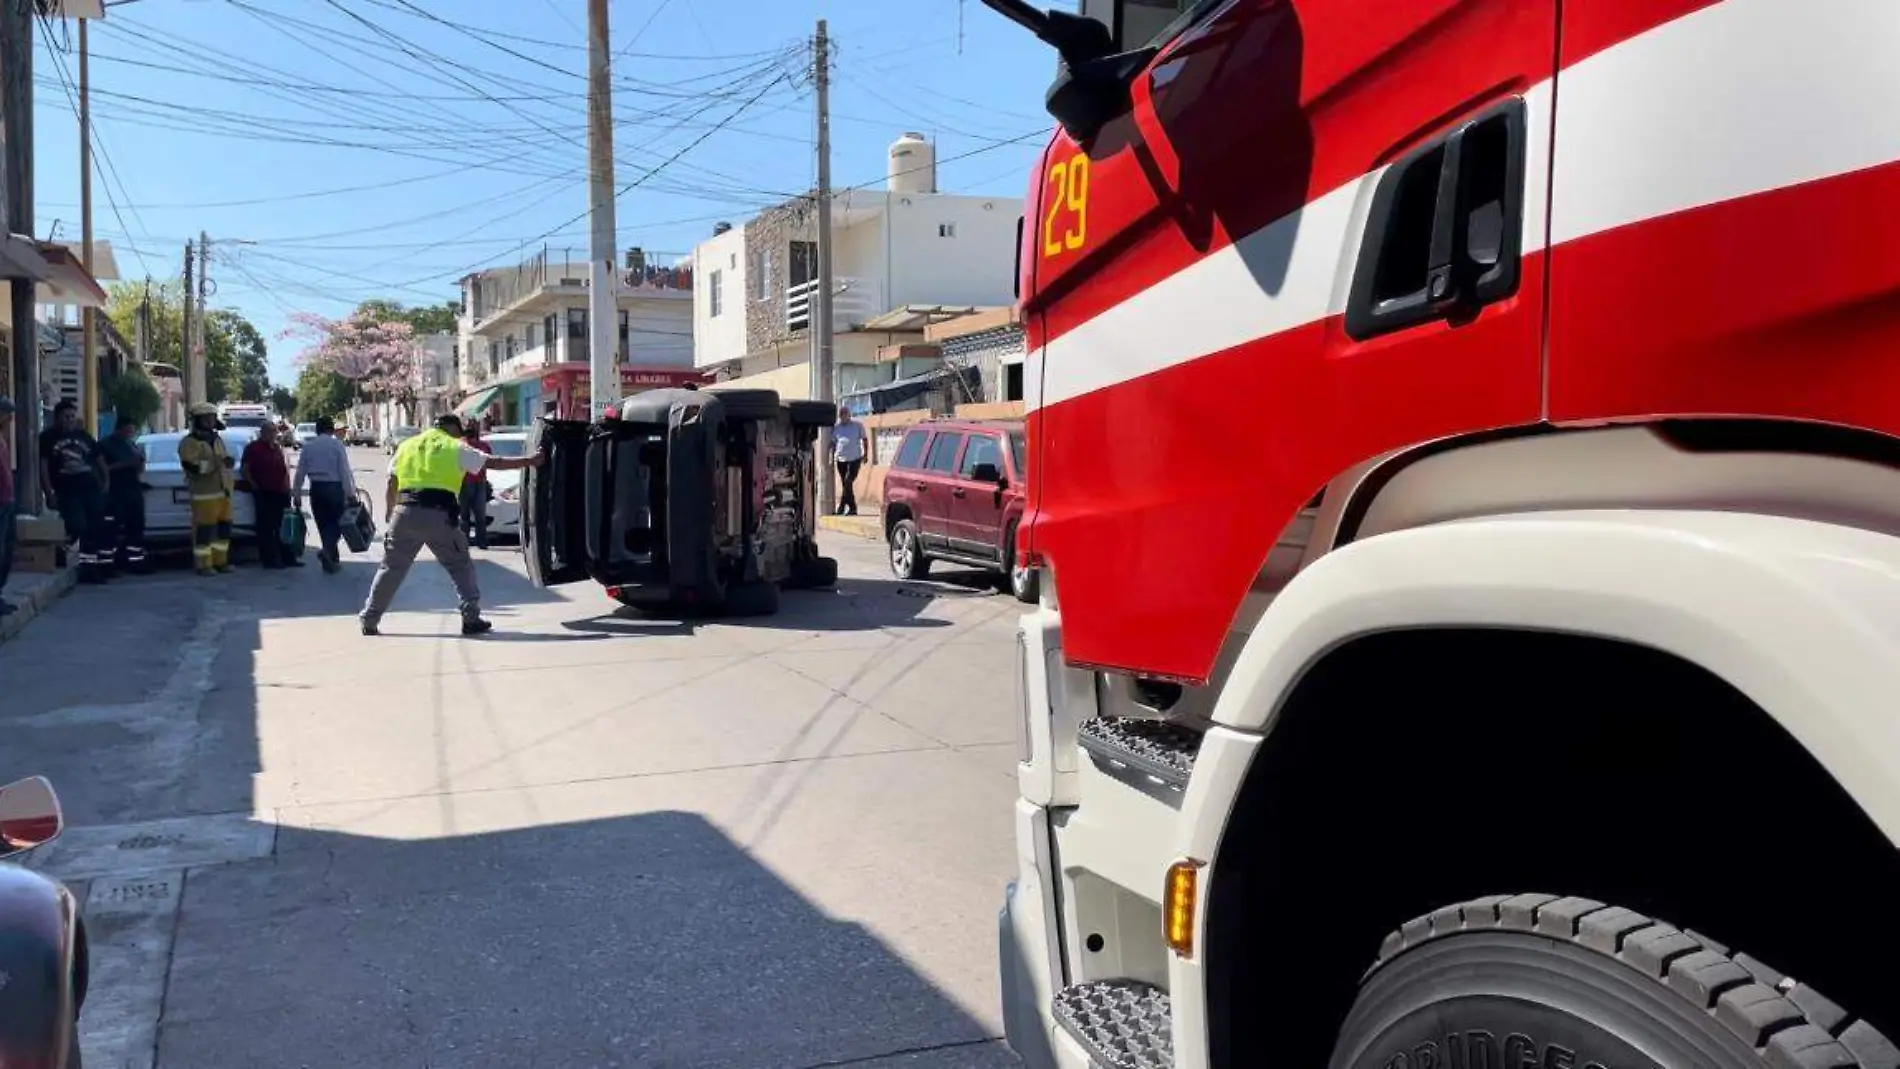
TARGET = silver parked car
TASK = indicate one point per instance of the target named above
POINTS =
(168, 502)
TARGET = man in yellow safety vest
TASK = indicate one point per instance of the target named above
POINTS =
(422, 501)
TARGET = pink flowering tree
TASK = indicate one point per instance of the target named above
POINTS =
(379, 356)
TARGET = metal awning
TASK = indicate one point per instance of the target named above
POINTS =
(477, 401)
(915, 317)
(20, 258)
(888, 396)
(67, 281)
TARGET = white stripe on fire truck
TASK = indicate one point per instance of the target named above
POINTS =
(1645, 129)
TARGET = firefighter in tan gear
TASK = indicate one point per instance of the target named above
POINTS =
(208, 480)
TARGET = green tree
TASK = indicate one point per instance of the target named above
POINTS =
(322, 392)
(284, 400)
(425, 319)
(133, 396)
(237, 366)
(167, 317)
(236, 356)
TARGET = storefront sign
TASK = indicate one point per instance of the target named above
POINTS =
(568, 391)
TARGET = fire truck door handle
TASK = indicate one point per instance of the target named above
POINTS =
(923, 486)
(958, 492)
(1469, 228)
(1442, 274)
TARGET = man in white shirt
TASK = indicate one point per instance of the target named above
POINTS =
(325, 462)
(847, 448)
(423, 502)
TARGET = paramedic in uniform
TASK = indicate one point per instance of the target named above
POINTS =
(422, 501)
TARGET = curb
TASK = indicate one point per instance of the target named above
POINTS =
(869, 528)
(36, 602)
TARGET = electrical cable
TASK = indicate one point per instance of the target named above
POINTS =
(111, 170)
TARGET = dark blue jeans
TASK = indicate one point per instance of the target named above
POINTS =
(82, 508)
(326, 508)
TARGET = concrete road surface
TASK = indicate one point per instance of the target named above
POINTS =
(589, 839)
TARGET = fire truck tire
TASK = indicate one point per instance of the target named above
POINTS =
(907, 551)
(749, 404)
(1552, 981)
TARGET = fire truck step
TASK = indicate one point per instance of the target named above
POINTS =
(1153, 756)
(1122, 1024)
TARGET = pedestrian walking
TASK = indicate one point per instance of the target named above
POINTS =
(475, 489)
(208, 480)
(73, 477)
(125, 495)
(9, 502)
(847, 448)
(267, 471)
(324, 462)
(422, 504)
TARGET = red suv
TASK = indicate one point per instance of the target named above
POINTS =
(955, 493)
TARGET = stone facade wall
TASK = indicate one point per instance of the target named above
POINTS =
(768, 239)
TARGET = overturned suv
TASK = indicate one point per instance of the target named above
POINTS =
(690, 502)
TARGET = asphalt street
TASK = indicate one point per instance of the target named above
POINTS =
(588, 839)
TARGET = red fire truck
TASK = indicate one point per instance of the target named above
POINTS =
(1490, 656)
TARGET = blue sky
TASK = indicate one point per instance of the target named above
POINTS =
(383, 148)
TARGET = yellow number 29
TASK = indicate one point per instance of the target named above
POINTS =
(1065, 226)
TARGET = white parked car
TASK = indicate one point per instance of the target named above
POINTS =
(168, 502)
(504, 509)
(397, 436)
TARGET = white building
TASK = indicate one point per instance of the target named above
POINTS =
(904, 256)
(522, 345)
(435, 376)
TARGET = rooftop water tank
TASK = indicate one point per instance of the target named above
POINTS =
(913, 165)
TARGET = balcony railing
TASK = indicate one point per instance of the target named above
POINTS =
(852, 300)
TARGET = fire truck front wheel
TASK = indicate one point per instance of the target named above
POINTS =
(1571, 983)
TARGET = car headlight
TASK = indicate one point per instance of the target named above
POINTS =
(510, 495)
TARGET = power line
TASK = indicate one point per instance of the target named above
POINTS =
(112, 171)
(623, 190)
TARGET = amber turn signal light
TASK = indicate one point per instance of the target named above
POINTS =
(1178, 904)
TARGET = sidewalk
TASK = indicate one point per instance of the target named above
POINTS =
(31, 593)
(869, 525)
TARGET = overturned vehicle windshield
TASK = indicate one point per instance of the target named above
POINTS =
(690, 502)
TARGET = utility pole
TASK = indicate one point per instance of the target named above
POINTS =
(194, 375)
(143, 343)
(823, 386)
(88, 330)
(198, 321)
(16, 67)
(602, 308)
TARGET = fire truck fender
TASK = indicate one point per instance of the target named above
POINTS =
(1799, 616)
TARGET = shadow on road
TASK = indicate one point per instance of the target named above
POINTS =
(853, 605)
(668, 946)
(641, 940)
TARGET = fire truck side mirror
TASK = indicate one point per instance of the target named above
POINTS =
(1092, 85)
